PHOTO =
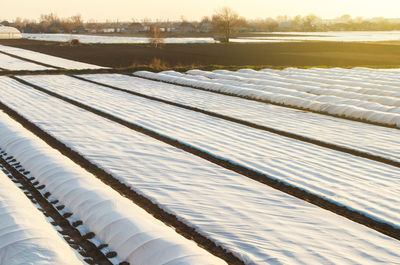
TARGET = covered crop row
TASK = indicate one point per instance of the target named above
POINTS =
(328, 173)
(339, 132)
(26, 237)
(47, 59)
(10, 63)
(136, 236)
(246, 217)
(288, 83)
(348, 108)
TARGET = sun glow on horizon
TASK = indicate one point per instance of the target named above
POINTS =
(126, 10)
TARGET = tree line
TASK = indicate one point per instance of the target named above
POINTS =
(49, 23)
(223, 24)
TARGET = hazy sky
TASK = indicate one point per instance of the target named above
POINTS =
(193, 10)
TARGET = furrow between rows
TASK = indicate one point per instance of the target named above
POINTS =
(332, 185)
(51, 208)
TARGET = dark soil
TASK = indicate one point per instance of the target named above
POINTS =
(295, 54)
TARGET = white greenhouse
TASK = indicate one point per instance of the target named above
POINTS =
(9, 33)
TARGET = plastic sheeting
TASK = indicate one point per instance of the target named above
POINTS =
(25, 235)
(137, 237)
(275, 93)
(346, 133)
(14, 64)
(47, 59)
(259, 224)
(313, 88)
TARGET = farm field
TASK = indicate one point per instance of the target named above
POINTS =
(114, 219)
(236, 143)
(293, 166)
(334, 101)
(313, 126)
(235, 55)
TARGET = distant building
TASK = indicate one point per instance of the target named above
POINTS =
(109, 30)
(186, 27)
(205, 27)
(9, 33)
(136, 27)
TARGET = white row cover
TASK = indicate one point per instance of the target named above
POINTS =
(48, 59)
(350, 108)
(11, 63)
(25, 235)
(373, 103)
(384, 80)
(249, 76)
(137, 237)
(345, 36)
(108, 39)
(341, 132)
(340, 177)
(60, 37)
(260, 224)
(341, 36)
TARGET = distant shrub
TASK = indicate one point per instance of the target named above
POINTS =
(75, 42)
(158, 64)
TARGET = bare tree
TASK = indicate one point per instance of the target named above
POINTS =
(226, 22)
(310, 22)
(155, 37)
(76, 21)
